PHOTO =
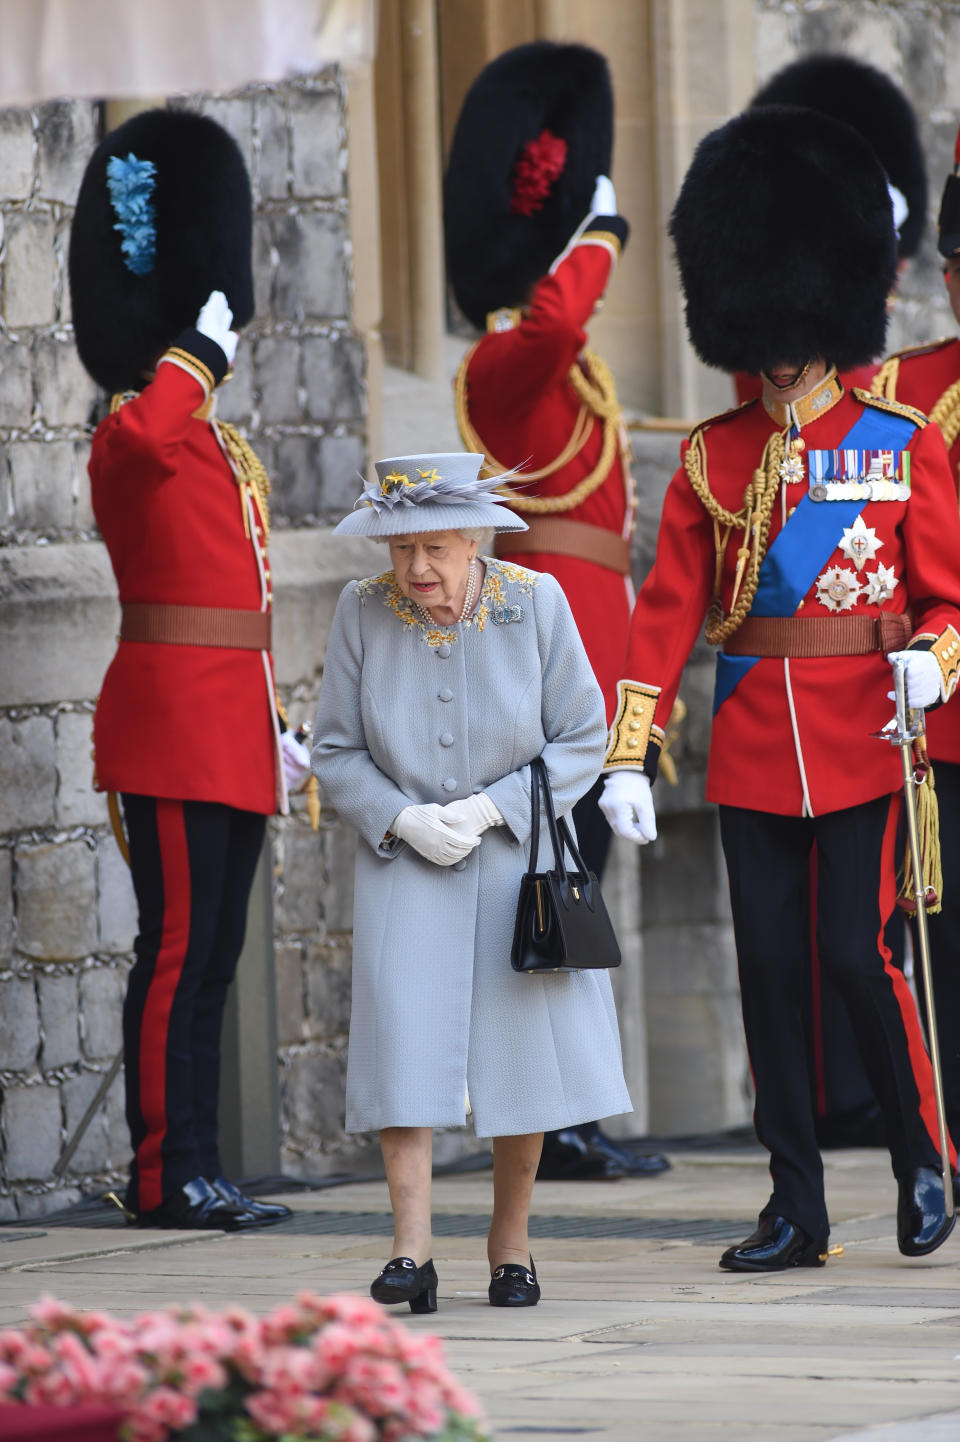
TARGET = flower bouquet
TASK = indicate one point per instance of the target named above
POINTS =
(326, 1369)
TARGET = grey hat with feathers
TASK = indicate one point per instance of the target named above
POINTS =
(429, 493)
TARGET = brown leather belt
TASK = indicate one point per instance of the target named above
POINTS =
(195, 626)
(798, 636)
(558, 537)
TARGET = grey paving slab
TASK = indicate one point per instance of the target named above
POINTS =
(638, 1339)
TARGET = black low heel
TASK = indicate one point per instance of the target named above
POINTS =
(514, 1286)
(403, 1281)
(425, 1302)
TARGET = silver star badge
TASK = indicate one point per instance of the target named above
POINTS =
(881, 585)
(791, 469)
(838, 588)
(860, 543)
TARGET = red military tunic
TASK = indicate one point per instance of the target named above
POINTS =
(518, 404)
(922, 378)
(184, 722)
(793, 736)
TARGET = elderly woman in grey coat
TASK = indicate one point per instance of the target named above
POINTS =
(443, 678)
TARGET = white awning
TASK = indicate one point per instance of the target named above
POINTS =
(134, 48)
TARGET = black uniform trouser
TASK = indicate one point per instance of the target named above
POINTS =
(944, 929)
(192, 864)
(768, 864)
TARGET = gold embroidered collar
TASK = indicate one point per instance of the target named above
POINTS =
(808, 408)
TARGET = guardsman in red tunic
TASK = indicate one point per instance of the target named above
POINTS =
(532, 239)
(186, 728)
(813, 529)
(860, 95)
(928, 377)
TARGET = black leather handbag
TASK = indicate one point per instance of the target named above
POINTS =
(562, 922)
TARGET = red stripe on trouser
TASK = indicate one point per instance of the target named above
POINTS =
(175, 867)
(916, 1048)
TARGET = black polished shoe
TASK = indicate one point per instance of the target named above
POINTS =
(513, 1286)
(403, 1281)
(922, 1221)
(197, 1207)
(268, 1212)
(566, 1157)
(633, 1164)
(776, 1245)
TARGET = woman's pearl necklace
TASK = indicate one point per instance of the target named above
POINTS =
(467, 601)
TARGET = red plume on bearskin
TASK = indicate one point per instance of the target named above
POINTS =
(511, 201)
(539, 166)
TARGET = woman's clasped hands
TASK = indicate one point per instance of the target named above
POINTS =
(446, 834)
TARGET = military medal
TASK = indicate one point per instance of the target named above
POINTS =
(880, 586)
(838, 588)
(860, 543)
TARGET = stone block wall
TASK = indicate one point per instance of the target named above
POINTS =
(67, 916)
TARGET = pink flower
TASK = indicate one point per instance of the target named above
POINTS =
(8, 1379)
(357, 1429)
(139, 1428)
(377, 1388)
(248, 1355)
(200, 1373)
(461, 1401)
(294, 1370)
(170, 1407)
(51, 1313)
(271, 1412)
(282, 1324)
(335, 1346)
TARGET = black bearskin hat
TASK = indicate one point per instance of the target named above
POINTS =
(163, 218)
(948, 221)
(783, 231)
(495, 251)
(866, 99)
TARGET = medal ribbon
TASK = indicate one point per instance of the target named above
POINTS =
(808, 540)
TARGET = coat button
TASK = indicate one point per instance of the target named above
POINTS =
(459, 865)
(445, 694)
(450, 784)
(443, 651)
(446, 738)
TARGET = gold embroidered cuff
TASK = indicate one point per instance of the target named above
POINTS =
(182, 358)
(946, 648)
(630, 733)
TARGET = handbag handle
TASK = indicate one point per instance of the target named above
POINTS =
(560, 834)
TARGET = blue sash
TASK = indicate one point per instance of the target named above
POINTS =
(807, 541)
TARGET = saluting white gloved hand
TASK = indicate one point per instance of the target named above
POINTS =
(295, 758)
(604, 200)
(473, 815)
(215, 320)
(424, 828)
(923, 677)
(627, 803)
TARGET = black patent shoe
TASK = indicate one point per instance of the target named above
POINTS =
(566, 1157)
(403, 1281)
(632, 1164)
(197, 1207)
(922, 1221)
(776, 1245)
(268, 1212)
(513, 1286)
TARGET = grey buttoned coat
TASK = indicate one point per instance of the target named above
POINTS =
(412, 714)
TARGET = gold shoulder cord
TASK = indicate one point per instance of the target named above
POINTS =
(598, 397)
(884, 383)
(753, 519)
(251, 477)
(946, 413)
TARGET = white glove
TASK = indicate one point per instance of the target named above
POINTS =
(215, 320)
(627, 803)
(424, 828)
(923, 677)
(473, 815)
(296, 760)
(604, 200)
